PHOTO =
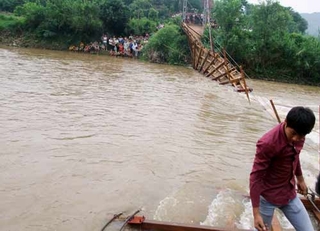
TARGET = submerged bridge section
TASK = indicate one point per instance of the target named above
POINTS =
(213, 64)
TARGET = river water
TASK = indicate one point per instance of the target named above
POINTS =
(83, 137)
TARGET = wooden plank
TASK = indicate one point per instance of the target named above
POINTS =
(307, 203)
(221, 75)
(193, 52)
(316, 214)
(195, 32)
(235, 80)
(310, 207)
(172, 226)
(199, 55)
(214, 69)
(226, 67)
(244, 84)
(211, 62)
(224, 82)
(200, 61)
(204, 61)
(232, 77)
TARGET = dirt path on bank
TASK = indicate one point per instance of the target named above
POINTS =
(197, 28)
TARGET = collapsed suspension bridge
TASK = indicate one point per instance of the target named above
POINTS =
(212, 64)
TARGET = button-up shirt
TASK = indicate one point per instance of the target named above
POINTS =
(274, 168)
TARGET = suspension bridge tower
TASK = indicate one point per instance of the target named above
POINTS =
(207, 6)
(184, 10)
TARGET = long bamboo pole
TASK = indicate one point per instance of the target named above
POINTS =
(244, 83)
(275, 111)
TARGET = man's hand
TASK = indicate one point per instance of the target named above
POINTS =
(302, 187)
(258, 221)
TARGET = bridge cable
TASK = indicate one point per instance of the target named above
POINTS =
(228, 55)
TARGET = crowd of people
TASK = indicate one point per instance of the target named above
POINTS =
(194, 18)
(130, 46)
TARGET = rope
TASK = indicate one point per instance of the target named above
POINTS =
(128, 219)
(111, 220)
(228, 55)
(311, 198)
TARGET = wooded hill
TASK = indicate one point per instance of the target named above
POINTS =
(313, 20)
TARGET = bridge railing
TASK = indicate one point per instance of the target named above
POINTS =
(215, 65)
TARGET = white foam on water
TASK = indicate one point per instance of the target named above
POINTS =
(246, 218)
(314, 136)
(161, 212)
(265, 103)
(224, 209)
(228, 208)
(309, 158)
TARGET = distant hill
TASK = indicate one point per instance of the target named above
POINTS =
(313, 20)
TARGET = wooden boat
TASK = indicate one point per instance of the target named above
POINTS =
(141, 223)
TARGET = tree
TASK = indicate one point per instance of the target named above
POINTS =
(301, 25)
(34, 14)
(153, 14)
(195, 5)
(141, 26)
(61, 18)
(114, 15)
(140, 8)
(271, 22)
(233, 29)
(167, 45)
(10, 5)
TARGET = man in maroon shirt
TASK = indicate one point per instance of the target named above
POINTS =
(276, 171)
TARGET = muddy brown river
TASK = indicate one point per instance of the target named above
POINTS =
(85, 136)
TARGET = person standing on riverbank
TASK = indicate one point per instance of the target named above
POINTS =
(104, 39)
(277, 171)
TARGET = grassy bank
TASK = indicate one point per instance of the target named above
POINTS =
(13, 34)
(26, 40)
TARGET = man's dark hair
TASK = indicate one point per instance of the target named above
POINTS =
(301, 119)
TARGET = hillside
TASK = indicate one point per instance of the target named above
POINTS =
(313, 20)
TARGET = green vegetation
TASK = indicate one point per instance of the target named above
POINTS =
(10, 5)
(167, 46)
(268, 39)
(77, 20)
(141, 26)
(11, 22)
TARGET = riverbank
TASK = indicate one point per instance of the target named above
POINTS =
(8, 38)
(30, 41)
